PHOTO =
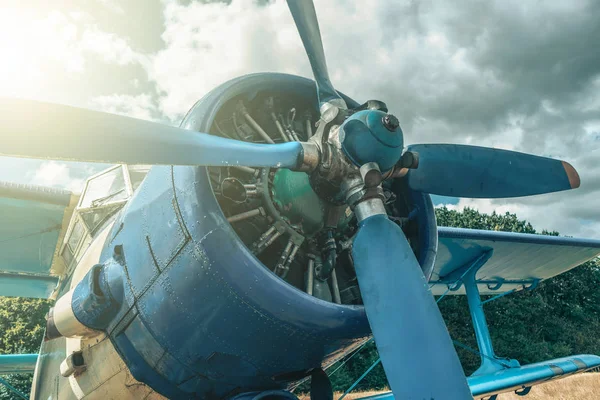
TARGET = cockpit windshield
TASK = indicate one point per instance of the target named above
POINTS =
(103, 195)
(106, 187)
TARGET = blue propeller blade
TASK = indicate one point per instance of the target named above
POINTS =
(417, 353)
(305, 17)
(483, 172)
(33, 129)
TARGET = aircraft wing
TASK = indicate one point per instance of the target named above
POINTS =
(33, 221)
(516, 260)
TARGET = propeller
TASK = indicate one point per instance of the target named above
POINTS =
(416, 350)
(412, 339)
(49, 131)
(413, 342)
(482, 172)
(305, 17)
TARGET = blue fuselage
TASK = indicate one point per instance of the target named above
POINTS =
(202, 315)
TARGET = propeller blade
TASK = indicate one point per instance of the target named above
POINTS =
(305, 17)
(483, 172)
(33, 129)
(417, 353)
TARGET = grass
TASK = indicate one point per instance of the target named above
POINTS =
(578, 387)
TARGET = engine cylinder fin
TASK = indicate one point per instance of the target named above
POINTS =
(245, 215)
(266, 239)
(310, 274)
(247, 170)
(252, 122)
(280, 267)
(290, 259)
(335, 288)
(279, 128)
(282, 220)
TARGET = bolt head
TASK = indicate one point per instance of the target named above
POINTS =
(390, 122)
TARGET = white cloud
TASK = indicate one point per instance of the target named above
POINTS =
(39, 51)
(208, 44)
(112, 5)
(502, 74)
(141, 106)
(480, 74)
(60, 175)
(109, 47)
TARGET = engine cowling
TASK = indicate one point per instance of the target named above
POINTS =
(239, 279)
(285, 199)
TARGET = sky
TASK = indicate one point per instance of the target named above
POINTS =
(508, 74)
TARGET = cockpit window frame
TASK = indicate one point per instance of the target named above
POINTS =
(90, 232)
(126, 179)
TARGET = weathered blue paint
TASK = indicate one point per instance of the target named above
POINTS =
(98, 297)
(525, 376)
(32, 219)
(28, 225)
(529, 375)
(410, 333)
(140, 142)
(480, 326)
(34, 193)
(201, 315)
(17, 363)
(428, 236)
(365, 139)
(206, 316)
(482, 172)
(38, 286)
(519, 260)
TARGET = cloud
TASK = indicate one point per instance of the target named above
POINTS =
(208, 44)
(62, 56)
(552, 216)
(142, 106)
(62, 175)
(113, 6)
(109, 47)
(504, 74)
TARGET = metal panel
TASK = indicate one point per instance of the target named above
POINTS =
(17, 363)
(520, 259)
(26, 285)
(197, 296)
(516, 378)
(28, 235)
(31, 222)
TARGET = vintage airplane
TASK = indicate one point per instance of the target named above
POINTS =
(255, 255)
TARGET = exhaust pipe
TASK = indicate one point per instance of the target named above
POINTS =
(88, 309)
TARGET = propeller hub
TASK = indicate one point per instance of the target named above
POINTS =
(372, 136)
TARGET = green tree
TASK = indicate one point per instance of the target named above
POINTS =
(22, 324)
